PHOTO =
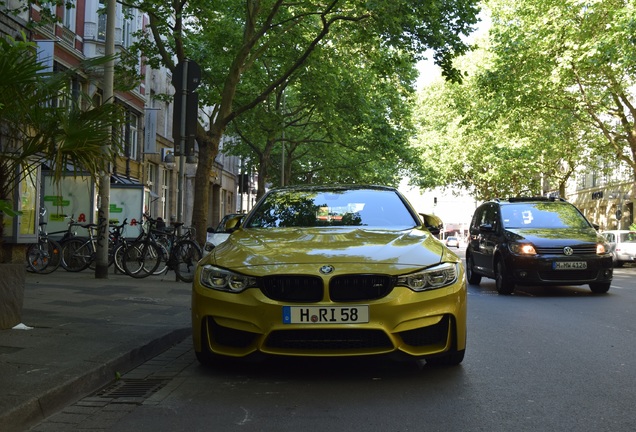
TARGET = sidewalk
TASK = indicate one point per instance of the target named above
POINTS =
(83, 333)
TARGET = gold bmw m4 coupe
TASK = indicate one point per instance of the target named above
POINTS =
(331, 271)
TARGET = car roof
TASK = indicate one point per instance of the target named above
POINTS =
(516, 200)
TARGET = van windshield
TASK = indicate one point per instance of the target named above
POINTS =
(542, 215)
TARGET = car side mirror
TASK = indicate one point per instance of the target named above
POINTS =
(233, 223)
(211, 230)
(432, 223)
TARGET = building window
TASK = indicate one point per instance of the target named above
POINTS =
(133, 136)
(101, 21)
(151, 179)
(68, 18)
(165, 187)
(128, 26)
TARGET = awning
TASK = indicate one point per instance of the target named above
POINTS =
(123, 180)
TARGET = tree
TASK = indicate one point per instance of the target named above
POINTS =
(510, 128)
(346, 117)
(38, 128)
(229, 39)
(574, 60)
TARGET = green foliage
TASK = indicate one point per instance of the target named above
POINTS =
(249, 51)
(570, 60)
(547, 93)
(44, 124)
(346, 119)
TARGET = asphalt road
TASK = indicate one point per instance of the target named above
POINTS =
(544, 359)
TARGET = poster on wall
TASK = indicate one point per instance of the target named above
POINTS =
(73, 198)
(126, 203)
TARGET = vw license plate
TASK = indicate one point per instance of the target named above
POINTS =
(325, 315)
(570, 265)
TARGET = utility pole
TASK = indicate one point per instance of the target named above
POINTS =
(103, 212)
(282, 152)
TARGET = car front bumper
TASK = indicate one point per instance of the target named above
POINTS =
(417, 324)
(540, 270)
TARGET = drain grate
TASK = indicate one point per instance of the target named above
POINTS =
(132, 390)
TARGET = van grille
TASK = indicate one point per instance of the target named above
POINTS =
(578, 250)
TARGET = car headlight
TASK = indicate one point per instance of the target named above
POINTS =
(432, 278)
(225, 280)
(601, 248)
(522, 249)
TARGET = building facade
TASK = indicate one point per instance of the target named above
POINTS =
(146, 174)
(606, 197)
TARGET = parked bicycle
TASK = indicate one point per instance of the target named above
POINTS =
(79, 252)
(44, 256)
(117, 244)
(182, 260)
(179, 253)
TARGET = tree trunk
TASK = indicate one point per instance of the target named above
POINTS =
(208, 150)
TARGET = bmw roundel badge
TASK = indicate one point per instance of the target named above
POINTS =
(326, 269)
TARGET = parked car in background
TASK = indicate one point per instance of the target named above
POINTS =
(452, 241)
(536, 241)
(622, 246)
(331, 271)
(217, 235)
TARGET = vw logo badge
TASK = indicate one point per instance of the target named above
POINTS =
(326, 269)
(568, 250)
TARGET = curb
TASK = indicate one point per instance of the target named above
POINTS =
(36, 410)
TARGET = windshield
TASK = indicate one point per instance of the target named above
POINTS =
(542, 215)
(629, 237)
(337, 207)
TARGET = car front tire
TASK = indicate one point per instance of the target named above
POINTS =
(503, 281)
(472, 277)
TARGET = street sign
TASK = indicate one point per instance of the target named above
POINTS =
(186, 78)
(193, 76)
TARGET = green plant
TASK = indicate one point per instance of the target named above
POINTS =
(44, 122)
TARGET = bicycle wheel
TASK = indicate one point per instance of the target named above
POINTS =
(77, 254)
(44, 257)
(118, 256)
(187, 254)
(141, 259)
(163, 264)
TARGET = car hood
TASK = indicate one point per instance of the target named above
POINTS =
(293, 246)
(555, 237)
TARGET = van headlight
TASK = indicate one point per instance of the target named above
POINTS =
(522, 249)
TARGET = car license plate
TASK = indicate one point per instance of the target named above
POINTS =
(325, 315)
(570, 265)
